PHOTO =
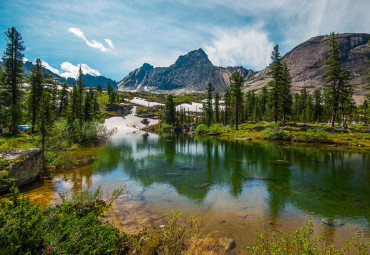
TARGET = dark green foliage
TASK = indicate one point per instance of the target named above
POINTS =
(318, 108)
(70, 228)
(170, 111)
(207, 106)
(236, 85)
(339, 91)
(275, 132)
(227, 111)
(12, 77)
(63, 101)
(280, 96)
(217, 107)
(275, 85)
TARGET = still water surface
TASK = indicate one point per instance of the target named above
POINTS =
(235, 187)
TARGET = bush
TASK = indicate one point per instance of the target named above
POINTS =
(303, 242)
(274, 132)
(316, 134)
(215, 128)
(201, 129)
(166, 128)
(83, 133)
(25, 228)
(174, 238)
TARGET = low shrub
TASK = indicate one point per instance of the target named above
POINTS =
(26, 228)
(274, 132)
(174, 238)
(316, 134)
(201, 129)
(302, 241)
(215, 128)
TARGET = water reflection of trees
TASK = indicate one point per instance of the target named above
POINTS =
(319, 182)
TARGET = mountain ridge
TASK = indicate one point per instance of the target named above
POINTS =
(190, 73)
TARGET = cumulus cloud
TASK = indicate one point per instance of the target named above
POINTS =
(70, 70)
(93, 44)
(25, 60)
(49, 67)
(247, 46)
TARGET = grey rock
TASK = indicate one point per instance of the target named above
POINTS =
(24, 165)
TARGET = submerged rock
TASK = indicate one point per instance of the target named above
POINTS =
(332, 223)
(202, 185)
(189, 168)
(172, 175)
(227, 243)
(280, 162)
(24, 165)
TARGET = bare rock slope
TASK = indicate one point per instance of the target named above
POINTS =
(306, 63)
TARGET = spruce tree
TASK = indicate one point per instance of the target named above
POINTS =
(63, 101)
(227, 98)
(208, 108)
(275, 84)
(170, 111)
(80, 93)
(318, 109)
(338, 89)
(237, 94)
(217, 107)
(36, 81)
(13, 61)
(286, 98)
(262, 101)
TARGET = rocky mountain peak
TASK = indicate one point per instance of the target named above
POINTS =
(195, 57)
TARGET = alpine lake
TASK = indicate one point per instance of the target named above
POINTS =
(237, 188)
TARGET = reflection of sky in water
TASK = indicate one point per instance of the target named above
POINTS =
(200, 172)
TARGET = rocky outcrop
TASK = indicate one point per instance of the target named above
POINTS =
(190, 73)
(306, 63)
(24, 165)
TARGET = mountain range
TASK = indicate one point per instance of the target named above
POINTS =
(192, 72)
(90, 80)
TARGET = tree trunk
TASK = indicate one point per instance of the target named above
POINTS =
(344, 125)
(332, 121)
(283, 118)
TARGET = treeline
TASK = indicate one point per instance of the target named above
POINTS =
(44, 104)
(276, 102)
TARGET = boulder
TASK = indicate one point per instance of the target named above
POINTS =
(227, 243)
(24, 165)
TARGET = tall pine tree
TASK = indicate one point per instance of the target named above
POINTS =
(275, 84)
(13, 60)
(236, 85)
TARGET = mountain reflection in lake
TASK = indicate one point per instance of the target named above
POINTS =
(234, 186)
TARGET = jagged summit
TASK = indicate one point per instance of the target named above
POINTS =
(190, 73)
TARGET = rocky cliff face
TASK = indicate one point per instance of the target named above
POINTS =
(306, 62)
(190, 73)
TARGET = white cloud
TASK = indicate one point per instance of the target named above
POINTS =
(70, 70)
(248, 46)
(25, 60)
(110, 43)
(49, 67)
(93, 44)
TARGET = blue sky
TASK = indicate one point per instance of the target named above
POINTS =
(114, 37)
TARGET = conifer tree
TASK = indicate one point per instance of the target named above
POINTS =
(227, 97)
(217, 107)
(208, 108)
(286, 98)
(318, 109)
(237, 94)
(170, 111)
(338, 89)
(263, 98)
(80, 93)
(36, 82)
(63, 101)
(13, 61)
(275, 85)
